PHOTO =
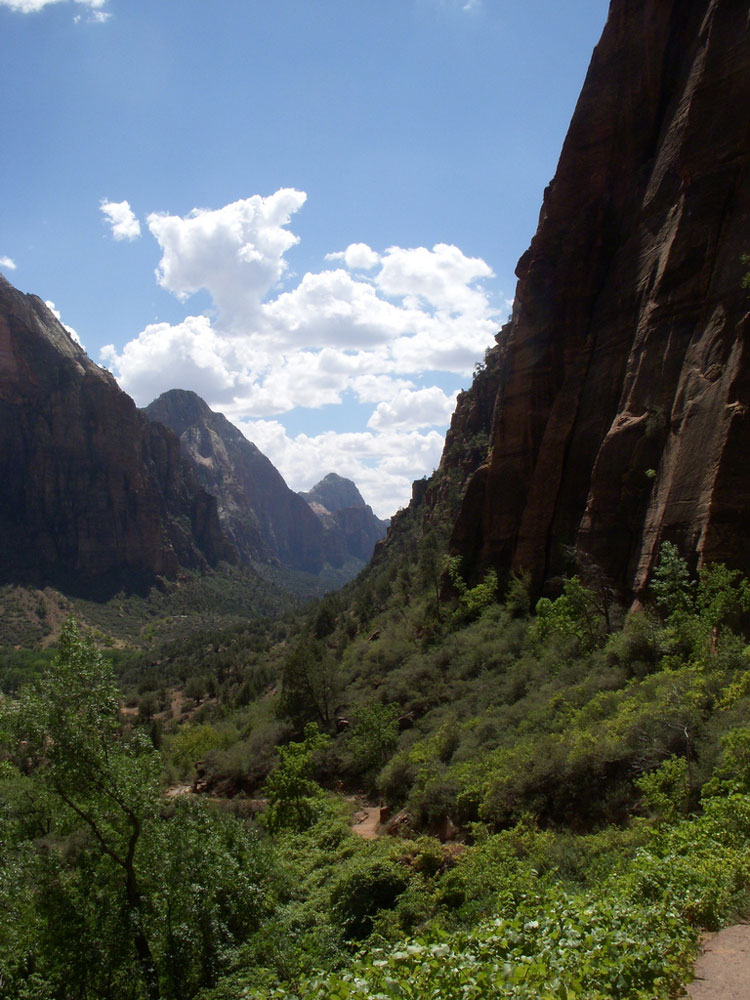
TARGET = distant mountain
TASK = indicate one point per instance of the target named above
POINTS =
(352, 529)
(334, 493)
(93, 496)
(265, 520)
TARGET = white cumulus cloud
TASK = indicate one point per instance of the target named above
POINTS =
(235, 253)
(429, 407)
(357, 257)
(122, 221)
(372, 342)
(8, 263)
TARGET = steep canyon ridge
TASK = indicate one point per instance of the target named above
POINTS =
(620, 385)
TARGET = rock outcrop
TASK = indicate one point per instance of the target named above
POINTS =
(92, 495)
(621, 409)
(351, 528)
(265, 520)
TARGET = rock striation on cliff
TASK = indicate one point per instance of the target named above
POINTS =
(620, 415)
(92, 495)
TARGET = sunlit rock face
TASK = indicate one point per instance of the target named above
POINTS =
(92, 495)
(621, 406)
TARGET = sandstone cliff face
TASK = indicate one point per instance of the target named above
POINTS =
(621, 412)
(265, 520)
(351, 527)
(91, 494)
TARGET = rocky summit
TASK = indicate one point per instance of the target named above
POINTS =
(621, 383)
(351, 528)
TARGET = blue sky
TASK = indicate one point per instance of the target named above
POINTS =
(308, 212)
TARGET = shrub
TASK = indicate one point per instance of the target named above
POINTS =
(372, 885)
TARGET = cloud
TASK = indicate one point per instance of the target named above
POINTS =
(357, 257)
(56, 313)
(370, 344)
(383, 465)
(120, 217)
(8, 263)
(188, 355)
(427, 407)
(34, 6)
(235, 253)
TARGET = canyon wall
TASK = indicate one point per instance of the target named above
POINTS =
(620, 414)
(92, 495)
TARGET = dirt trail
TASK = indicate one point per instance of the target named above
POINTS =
(366, 822)
(722, 971)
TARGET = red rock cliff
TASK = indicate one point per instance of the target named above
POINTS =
(621, 416)
(91, 494)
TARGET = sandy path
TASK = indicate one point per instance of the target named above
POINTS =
(366, 822)
(723, 970)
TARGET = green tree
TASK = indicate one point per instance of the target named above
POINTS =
(310, 684)
(576, 613)
(291, 788)
(374, 736)
(671, 586)
(88, 775)
(106, 891)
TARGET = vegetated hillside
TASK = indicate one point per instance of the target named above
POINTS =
(588, 773)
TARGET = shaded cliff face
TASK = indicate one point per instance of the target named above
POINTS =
(351, 527)
(91, 495)
(621, 413)
(265, 520)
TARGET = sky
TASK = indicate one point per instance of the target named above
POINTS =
(309, 213)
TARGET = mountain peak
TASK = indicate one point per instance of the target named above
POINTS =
(178, 409)
(335, 493)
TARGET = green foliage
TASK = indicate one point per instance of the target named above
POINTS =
(569, 948)
(291, 789)
(531, 736)
(575, 614)
(732, 775)
(671, 586)
(666, 790)
(362, 891)
(472, 601)
(309, 684)
(102, 894)
(192, 742)
(373, 737)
